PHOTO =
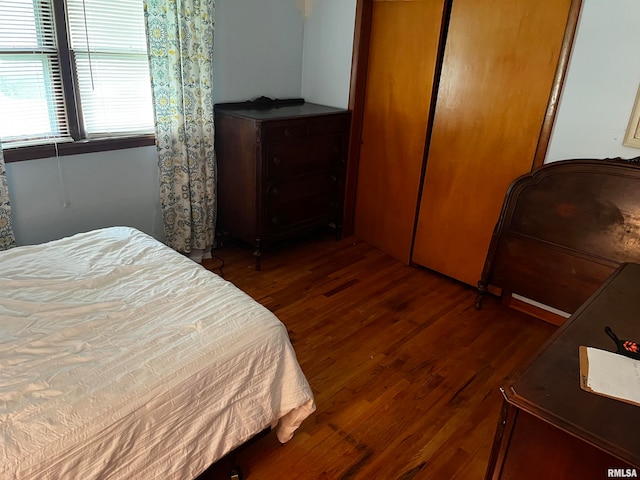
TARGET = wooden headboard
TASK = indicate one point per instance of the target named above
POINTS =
(563, 229)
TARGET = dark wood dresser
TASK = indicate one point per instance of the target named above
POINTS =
(281, 170)
(552, 429)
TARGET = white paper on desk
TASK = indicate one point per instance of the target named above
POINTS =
(611, 375)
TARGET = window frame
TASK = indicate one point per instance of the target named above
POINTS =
(80, 143)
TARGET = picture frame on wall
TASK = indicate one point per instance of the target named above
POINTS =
(632, 137)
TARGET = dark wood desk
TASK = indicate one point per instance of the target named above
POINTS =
(549, 427)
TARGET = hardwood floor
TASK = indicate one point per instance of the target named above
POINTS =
(405, 372)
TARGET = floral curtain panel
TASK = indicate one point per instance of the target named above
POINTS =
(7, 238)
(180, 39)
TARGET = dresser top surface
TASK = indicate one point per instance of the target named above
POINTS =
(280, 112)
(550, 386)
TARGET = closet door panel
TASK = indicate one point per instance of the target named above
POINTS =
(498, 70)
(402, 58)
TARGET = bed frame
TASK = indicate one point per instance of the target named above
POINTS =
(563, 229)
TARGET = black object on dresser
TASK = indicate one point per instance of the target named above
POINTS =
(281, 169)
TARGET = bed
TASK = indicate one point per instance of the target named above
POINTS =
(122, 359)
(563, 229)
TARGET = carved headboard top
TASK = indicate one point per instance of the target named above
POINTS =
(564, 228)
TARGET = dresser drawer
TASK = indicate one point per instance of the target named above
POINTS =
(329, 125)
(302, 128)
(302, 201)
(295, 158)
(283, 132)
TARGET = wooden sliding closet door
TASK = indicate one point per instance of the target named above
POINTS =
(498, 70)
(402, 58)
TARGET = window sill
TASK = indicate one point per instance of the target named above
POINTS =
(32, 152)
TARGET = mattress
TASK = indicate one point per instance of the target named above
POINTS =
(120, 358)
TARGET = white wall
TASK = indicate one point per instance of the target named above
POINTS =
(601, 83)
(257, 49)
(284, 49)
(51, 199)
(328, 45)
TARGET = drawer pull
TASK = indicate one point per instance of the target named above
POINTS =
(276, 161)
(287, 132)
(334, 178)
(276, 192)
(274, 220)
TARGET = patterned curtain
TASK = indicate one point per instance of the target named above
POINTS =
(180, 40)
(7, 238)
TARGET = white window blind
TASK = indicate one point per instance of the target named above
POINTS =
(106, 80)
(110, 51)
(31, 96)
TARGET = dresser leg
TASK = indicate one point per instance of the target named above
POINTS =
(257, 253)
(482, 291)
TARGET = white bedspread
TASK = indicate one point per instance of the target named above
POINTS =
(120, 358)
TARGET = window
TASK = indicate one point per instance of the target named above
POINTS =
(73, 70)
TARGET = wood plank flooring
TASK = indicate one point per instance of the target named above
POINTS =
(405, 372)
